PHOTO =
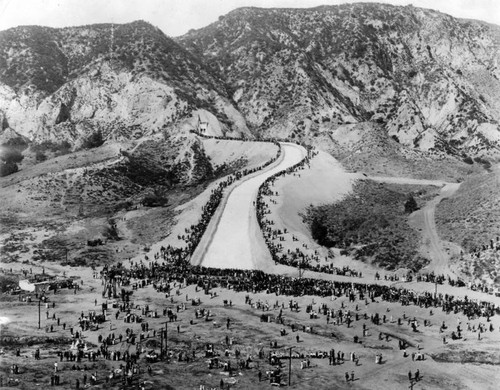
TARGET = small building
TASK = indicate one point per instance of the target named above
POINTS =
(202, 126)
(34, 286)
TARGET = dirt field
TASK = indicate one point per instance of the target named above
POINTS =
(470, 362)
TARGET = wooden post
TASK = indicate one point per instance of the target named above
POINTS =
(161, 344)
(290, 366)
(162, 352)
(39, 303)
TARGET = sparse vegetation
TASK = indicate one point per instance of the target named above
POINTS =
(472, 215)
(42, 149)
(371, 224)
(94, 140)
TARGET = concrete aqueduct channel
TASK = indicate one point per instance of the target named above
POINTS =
(233, 238)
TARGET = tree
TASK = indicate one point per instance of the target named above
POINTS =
(7, 168)
(411, 205)
(10, 155)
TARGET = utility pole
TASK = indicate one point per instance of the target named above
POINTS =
(161, 344)
(166, 339)
(290, 366)
(162, 352)
(39, 303)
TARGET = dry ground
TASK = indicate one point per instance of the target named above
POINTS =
(464, 364)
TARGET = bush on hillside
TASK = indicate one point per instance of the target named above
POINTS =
(411, 205)
(93, 141)
(468, 160)
(7, 168)
(58, 148)
(10, 155)
(40, 156)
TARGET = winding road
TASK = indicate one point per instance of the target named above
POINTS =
(233, 238)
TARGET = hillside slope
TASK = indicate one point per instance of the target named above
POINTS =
(431, 80)
(127, 81)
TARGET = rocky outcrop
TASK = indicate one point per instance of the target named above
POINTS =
(127, 81)
(431, 80)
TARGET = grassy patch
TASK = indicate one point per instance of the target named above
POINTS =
(371, 224)
(145, 232)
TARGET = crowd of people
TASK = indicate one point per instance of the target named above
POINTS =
(172, 265)
(195, 232)
(169, 267)
(273, 235)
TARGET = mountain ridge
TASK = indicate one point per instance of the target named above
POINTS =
(356, 63)
(428, 80)
(124, 80)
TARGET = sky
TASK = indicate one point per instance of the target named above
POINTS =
(176, 17)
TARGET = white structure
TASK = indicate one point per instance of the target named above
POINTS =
(202, 126)
(30, 286)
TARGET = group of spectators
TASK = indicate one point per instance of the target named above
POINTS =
(273, 235)
(171, 268)
(195, 232)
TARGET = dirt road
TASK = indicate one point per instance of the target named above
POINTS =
(424, 220)
(440, 259)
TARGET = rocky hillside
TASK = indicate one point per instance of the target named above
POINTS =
(126, 81)
(431, 81)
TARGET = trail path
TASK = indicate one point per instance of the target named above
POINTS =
(440, 259)
(233, 238)
(424, 219)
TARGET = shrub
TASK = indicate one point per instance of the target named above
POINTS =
(58, 149)
(468, 160)
(410, 205)
(9, 155)
(154, 201)
(40, 156)
(95, 140)
(7, 168)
